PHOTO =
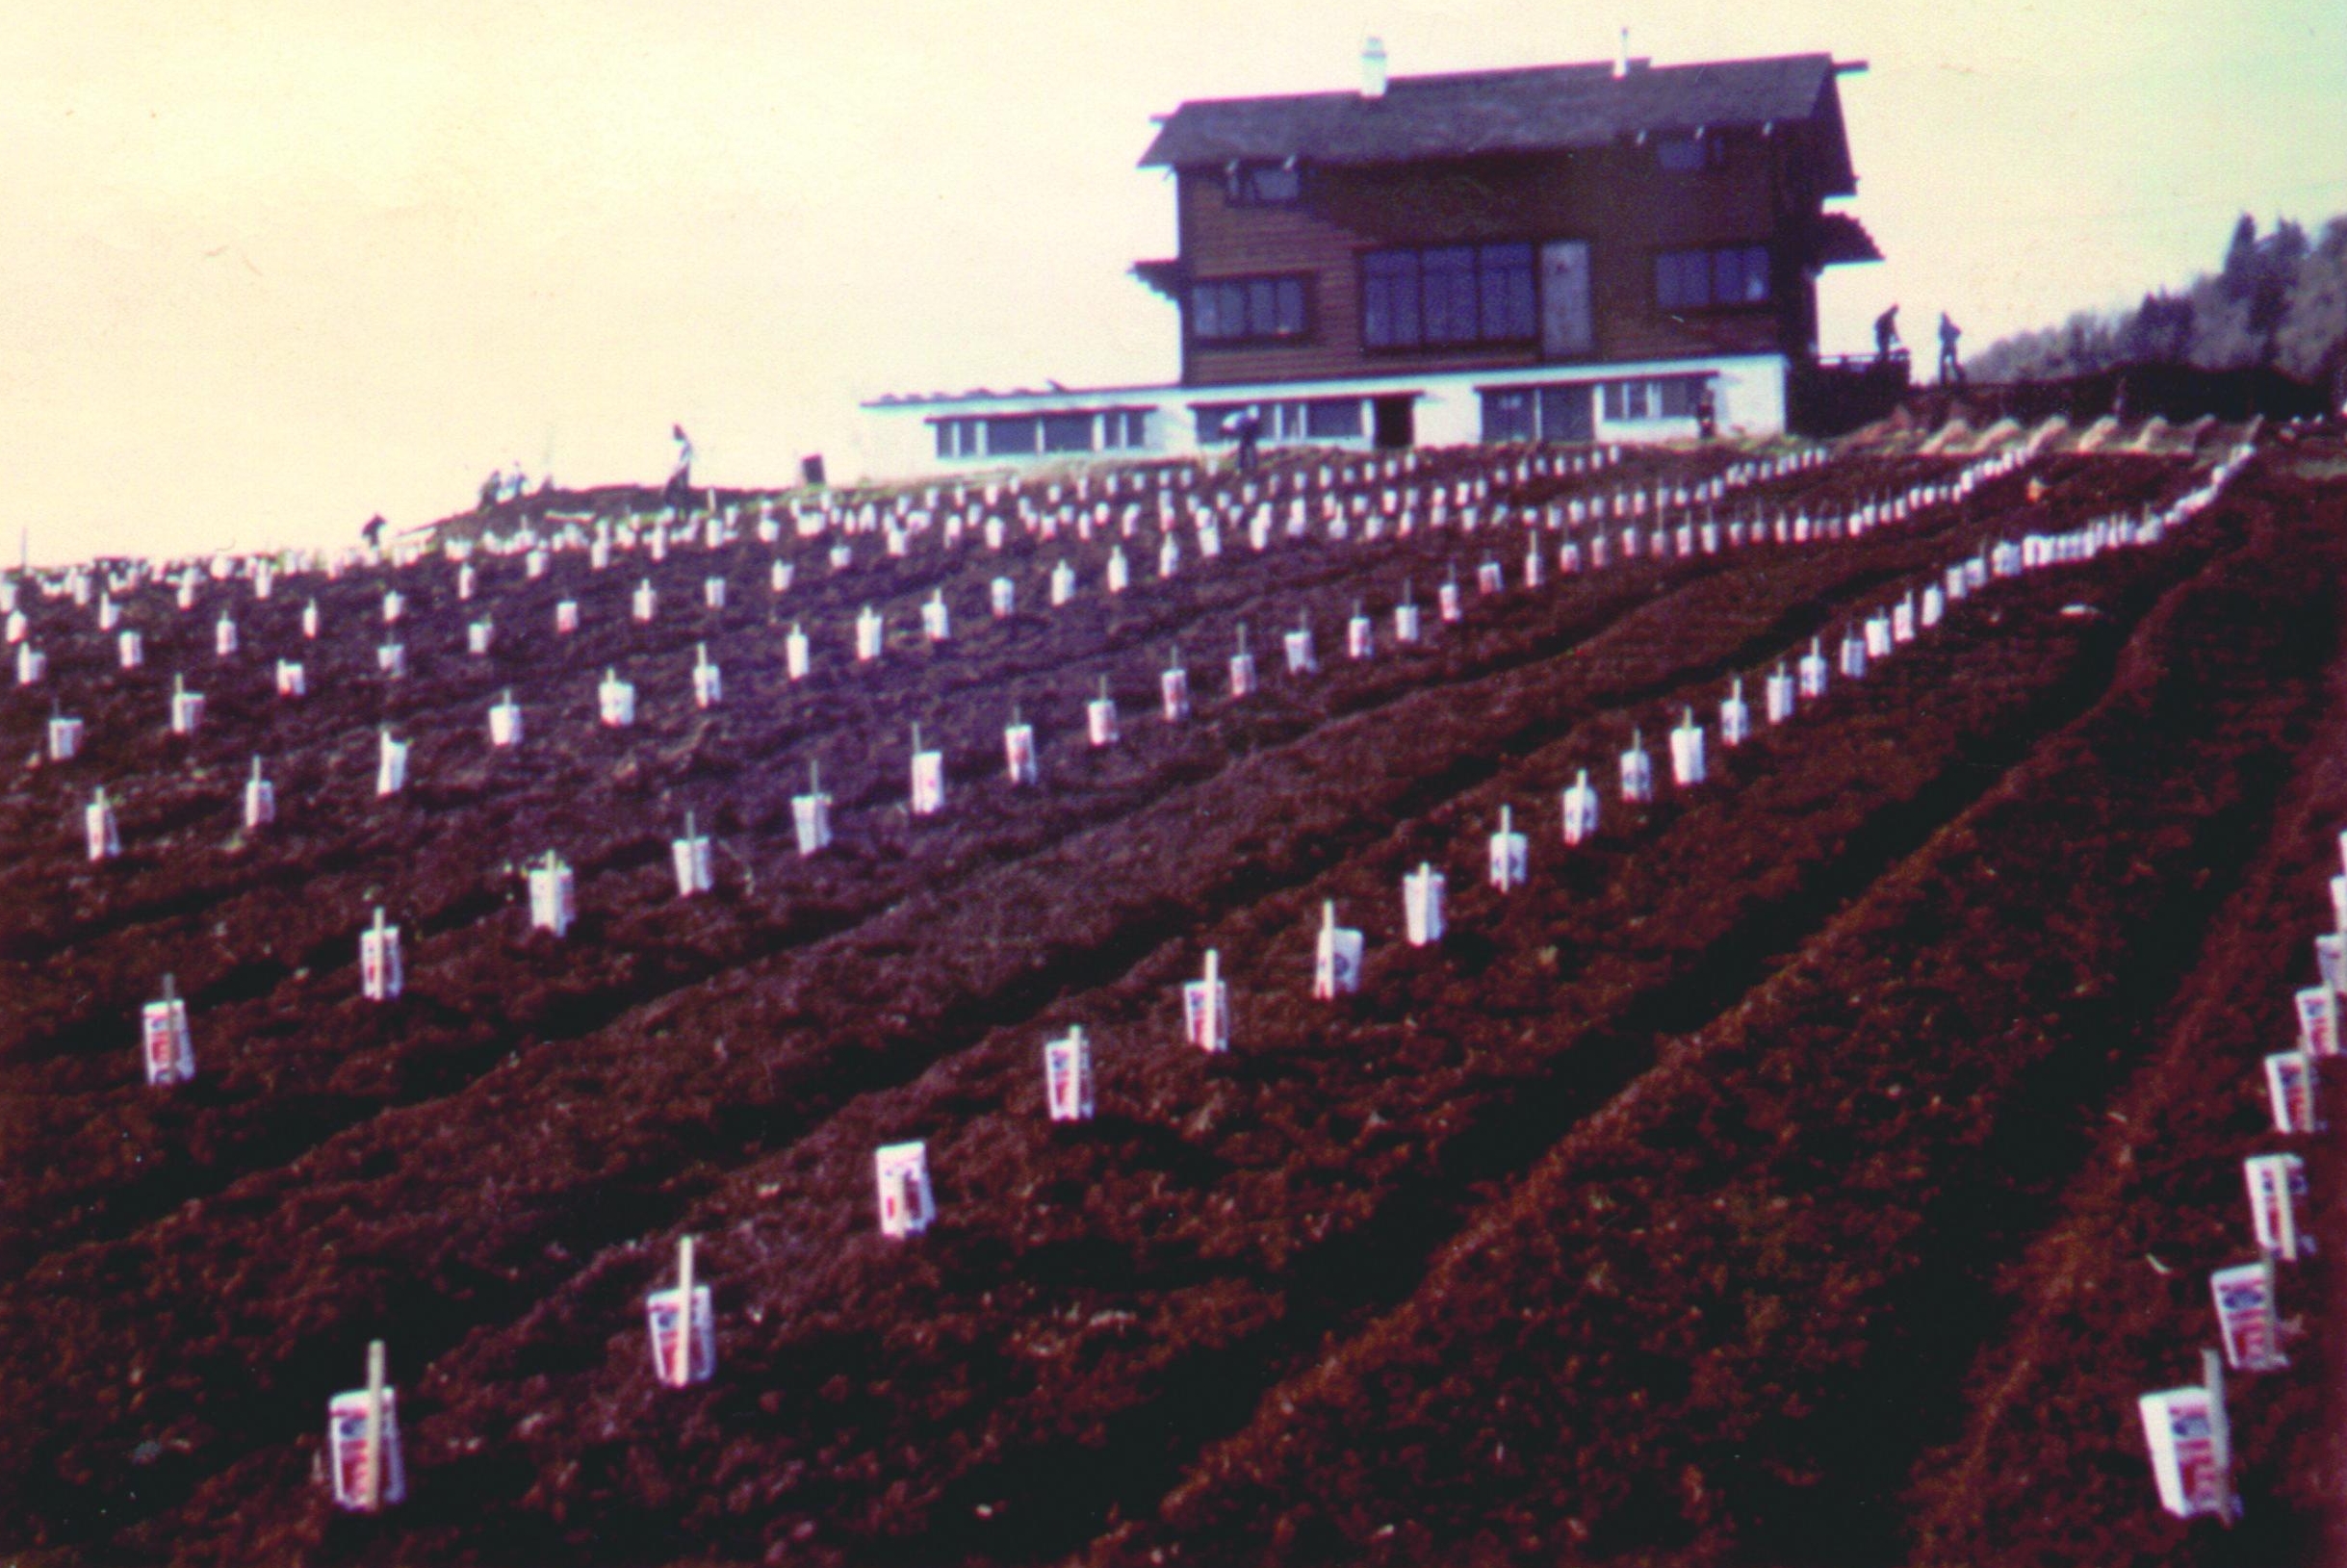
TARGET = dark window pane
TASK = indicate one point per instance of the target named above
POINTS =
(1508, 416)
(1678, 154)
(1696, 279)
(1262, 308)
(1450, 294)
(1212, 418)
(1067, 432)
(1508, 310)
(1679, 396)
(944, 428)
(1613, 399)
(1015, 433)
(1291, 308)
(1206, 312)
(1756, 273)
(1275, 183)
(1727, 276)
(1389, 299)
(1334, 418)
(1666, 291)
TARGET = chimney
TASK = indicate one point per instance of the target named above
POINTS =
(1373, 69)
(1621, 60)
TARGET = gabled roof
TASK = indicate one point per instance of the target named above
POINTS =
(1537, 109)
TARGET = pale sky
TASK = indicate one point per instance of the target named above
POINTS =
(273, 265)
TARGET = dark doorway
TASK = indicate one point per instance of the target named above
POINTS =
(1566, 414)
(1393, 424)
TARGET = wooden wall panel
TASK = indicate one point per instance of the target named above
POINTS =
(1617, 198)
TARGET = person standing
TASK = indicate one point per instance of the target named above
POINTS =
(1886, 335)
(1249, 427)
(1951, 368)
(678, 494)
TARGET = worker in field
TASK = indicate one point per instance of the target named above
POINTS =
(1951, 369)
(679, 493)
(1248, 426)
(1886, 335)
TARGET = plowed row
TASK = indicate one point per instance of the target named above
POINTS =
(1151, 1308)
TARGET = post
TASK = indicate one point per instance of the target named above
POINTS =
(373, 1494)
(685, 1317)
(2220, 1433)
(1207, 1009)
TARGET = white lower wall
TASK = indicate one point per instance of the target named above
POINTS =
(900, 440)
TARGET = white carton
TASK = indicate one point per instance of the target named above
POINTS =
(2277, 1205)
(2246, 1317)
(907, 1204)
(164, 1043)
(664, 1318)
(1067, 1077)
(2289, 1082)
(1336, 958)
(1205, 1008)
(346, 1451)
(1422, 906)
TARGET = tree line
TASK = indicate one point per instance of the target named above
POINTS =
(2279, 302)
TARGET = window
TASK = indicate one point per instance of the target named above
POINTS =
(1679, 394)
(1293, 418)
(1334, 418)
(1690, 154)
(1263, 185)
(958, 438)
(1448, 295)
(1125, 429)
(1389, 299)
(1018, 434)
(1557, 412)
(1509, 303)
(1447, 279)
(1249, 309)
(1625, 399)
(1655, 397)
(1507, 415)
(1701, 279)
(1067, 432)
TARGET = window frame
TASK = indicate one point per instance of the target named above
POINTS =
(1287, 421)
(1480, 291)
(1711, 153)
(1751, 259)
(1653, 395)
(996, 424)
(1248, 287)
(1240, 186)
(1541, 410)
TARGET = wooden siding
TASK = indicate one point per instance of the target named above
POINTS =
(1618, 199)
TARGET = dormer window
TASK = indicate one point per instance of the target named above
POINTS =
(1690, 154)
(1263, 185)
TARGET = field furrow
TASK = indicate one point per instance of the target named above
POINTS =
(1720, 1321)
(1114, 1297)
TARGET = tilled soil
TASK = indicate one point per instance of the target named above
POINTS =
(1730, 1193)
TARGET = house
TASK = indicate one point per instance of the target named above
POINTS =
(1560, 253)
